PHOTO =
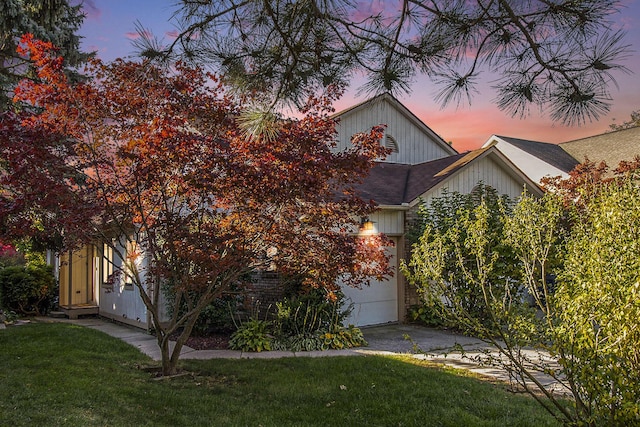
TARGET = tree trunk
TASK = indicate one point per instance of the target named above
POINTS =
(169, 366)
(171, 357)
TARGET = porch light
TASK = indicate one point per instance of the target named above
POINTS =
(366, 224)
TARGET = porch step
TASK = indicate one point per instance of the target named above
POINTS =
(74, 311)
(57, 314)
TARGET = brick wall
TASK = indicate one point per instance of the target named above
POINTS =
(411, 296)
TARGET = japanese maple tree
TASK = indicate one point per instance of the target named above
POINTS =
(154, 159)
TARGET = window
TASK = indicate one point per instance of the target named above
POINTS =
(130, 264)
(105, 267)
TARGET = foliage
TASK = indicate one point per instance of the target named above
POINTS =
(446, 227)
(425, 314)
(217, 316)
(342, 337)
(252, 335)
(153, 159)
(311, 320)
(9, 256)
(633, 121)
(587, 179)
(598, 308)
(55, 21)
(29, 290)
(301, 391)
(586, 319)
(561, 55)
(309, 311)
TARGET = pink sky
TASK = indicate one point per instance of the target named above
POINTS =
(110, 27)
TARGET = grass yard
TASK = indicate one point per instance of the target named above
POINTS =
(60, 374)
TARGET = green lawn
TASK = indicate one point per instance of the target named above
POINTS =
(60, 374)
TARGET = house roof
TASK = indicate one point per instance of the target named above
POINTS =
(402, 109)
(397, 184)
(552, 154)
(611, 147)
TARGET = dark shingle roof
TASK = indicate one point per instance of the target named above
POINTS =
(550, 153)
(395, 184)
(385, 183)
(611, 147)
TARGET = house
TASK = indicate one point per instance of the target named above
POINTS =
(88, 285)
(611, 147)
(535, 159)
(539, 159)
(421, 166)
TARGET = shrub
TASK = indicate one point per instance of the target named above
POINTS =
(579, 266)
(343, 338)
(30, 290)
(217, 317)
(446, 224)
(425, 315)
(310, 312)
(310, 321)
(301, 342)
(9, 256)
(252, 335)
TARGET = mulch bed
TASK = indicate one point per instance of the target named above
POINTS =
(213, 342)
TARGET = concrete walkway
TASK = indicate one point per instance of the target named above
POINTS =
(423, 343)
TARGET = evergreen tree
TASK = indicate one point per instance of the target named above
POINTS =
(555, 55)
(55, 21)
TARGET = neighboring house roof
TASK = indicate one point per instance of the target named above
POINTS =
(390, 184)
(610, 147)
(550, 153)
(534, 158)
(412, 118)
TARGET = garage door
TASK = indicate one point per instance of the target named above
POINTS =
(378, 303)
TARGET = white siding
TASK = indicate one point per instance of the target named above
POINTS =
(530, 165)
(389, 222)
(414, 145)
(121, 302)
(486, 170)
(377, 303)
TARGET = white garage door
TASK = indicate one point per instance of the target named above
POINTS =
(378, 303)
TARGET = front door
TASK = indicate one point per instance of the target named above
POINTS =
(76, 277)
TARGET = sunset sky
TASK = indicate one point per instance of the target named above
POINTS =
(109, 29)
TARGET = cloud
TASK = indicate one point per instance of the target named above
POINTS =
(365, 10)
(134, 35)
(173, 34)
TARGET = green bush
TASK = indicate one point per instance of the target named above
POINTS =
(308, 321)
(9, 256)
(424, 314)
(252, 335)
(343, 338)
(30, 290)
(447, 223)
(309, 312)
(217, 317)
(578, 265)
(301, 342)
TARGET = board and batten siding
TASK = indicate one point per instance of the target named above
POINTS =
(414, 145)
(121, 300)
(389, 222)
(486, 170)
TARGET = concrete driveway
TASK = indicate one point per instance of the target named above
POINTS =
(401, 338)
